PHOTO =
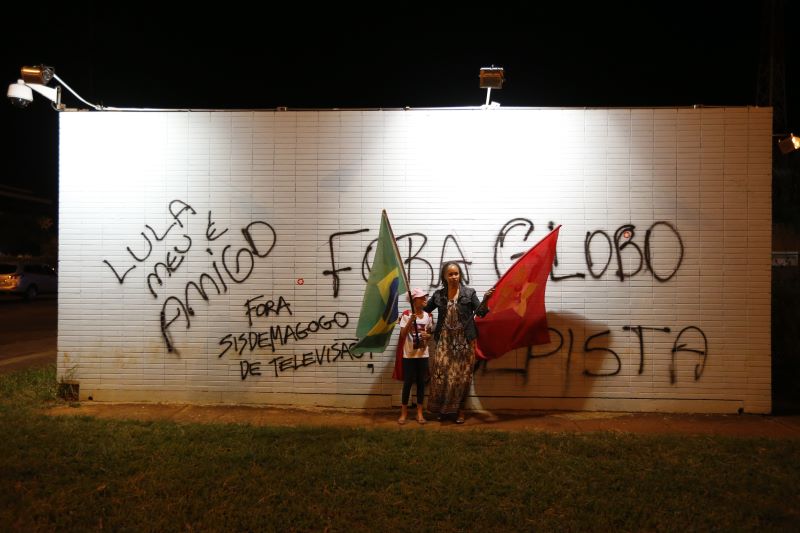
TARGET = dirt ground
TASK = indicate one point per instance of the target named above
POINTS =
(645, 423)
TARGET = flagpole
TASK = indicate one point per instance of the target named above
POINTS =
(397, 251)
(405, 277)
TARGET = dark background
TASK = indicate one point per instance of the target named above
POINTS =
(145, 54)
(304, 55)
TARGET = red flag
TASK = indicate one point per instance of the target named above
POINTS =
(516, 309)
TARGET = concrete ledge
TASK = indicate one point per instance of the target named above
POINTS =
(377, 401)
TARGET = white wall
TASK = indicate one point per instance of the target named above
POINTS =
(140, 191)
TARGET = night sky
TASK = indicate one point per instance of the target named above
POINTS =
(566, 55)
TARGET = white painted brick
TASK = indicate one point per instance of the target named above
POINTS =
(462, 173)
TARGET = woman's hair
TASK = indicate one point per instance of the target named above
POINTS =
(444, 270)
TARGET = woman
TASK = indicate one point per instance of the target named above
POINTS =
(415, 330)
(455, 334)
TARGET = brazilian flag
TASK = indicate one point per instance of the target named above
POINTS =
(385, 284)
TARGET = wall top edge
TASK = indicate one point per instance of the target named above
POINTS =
(395, 109)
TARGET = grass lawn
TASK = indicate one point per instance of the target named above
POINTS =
(78, 474)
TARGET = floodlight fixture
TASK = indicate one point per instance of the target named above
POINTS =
(40, 74)
(491, 78)
(789, 144)
(35, 79)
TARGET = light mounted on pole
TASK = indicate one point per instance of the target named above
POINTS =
(491, 78)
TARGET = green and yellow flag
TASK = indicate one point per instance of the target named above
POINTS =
(387, 280)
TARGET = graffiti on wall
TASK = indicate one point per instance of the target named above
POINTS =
(623, 246)
(261, 347)
(259, 236)
(266, 341)
(689, 340)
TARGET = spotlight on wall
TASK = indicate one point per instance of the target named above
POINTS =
(789, 144)
(35, 79)
(491, 78)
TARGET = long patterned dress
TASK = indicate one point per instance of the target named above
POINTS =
(451, 366)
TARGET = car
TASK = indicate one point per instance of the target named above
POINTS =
(27, 278)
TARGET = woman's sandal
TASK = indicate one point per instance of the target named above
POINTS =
(421, 420)
(460, 420)
(402, 421)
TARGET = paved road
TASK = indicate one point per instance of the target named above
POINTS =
(28, 332)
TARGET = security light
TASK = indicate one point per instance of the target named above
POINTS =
(35, 79)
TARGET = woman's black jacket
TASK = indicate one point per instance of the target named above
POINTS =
(468, 303)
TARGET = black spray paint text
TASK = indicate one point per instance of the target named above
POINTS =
(690, 342)
(599, 250)
(280, 335)
(340, 349)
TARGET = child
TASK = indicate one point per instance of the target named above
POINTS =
(415, 330)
